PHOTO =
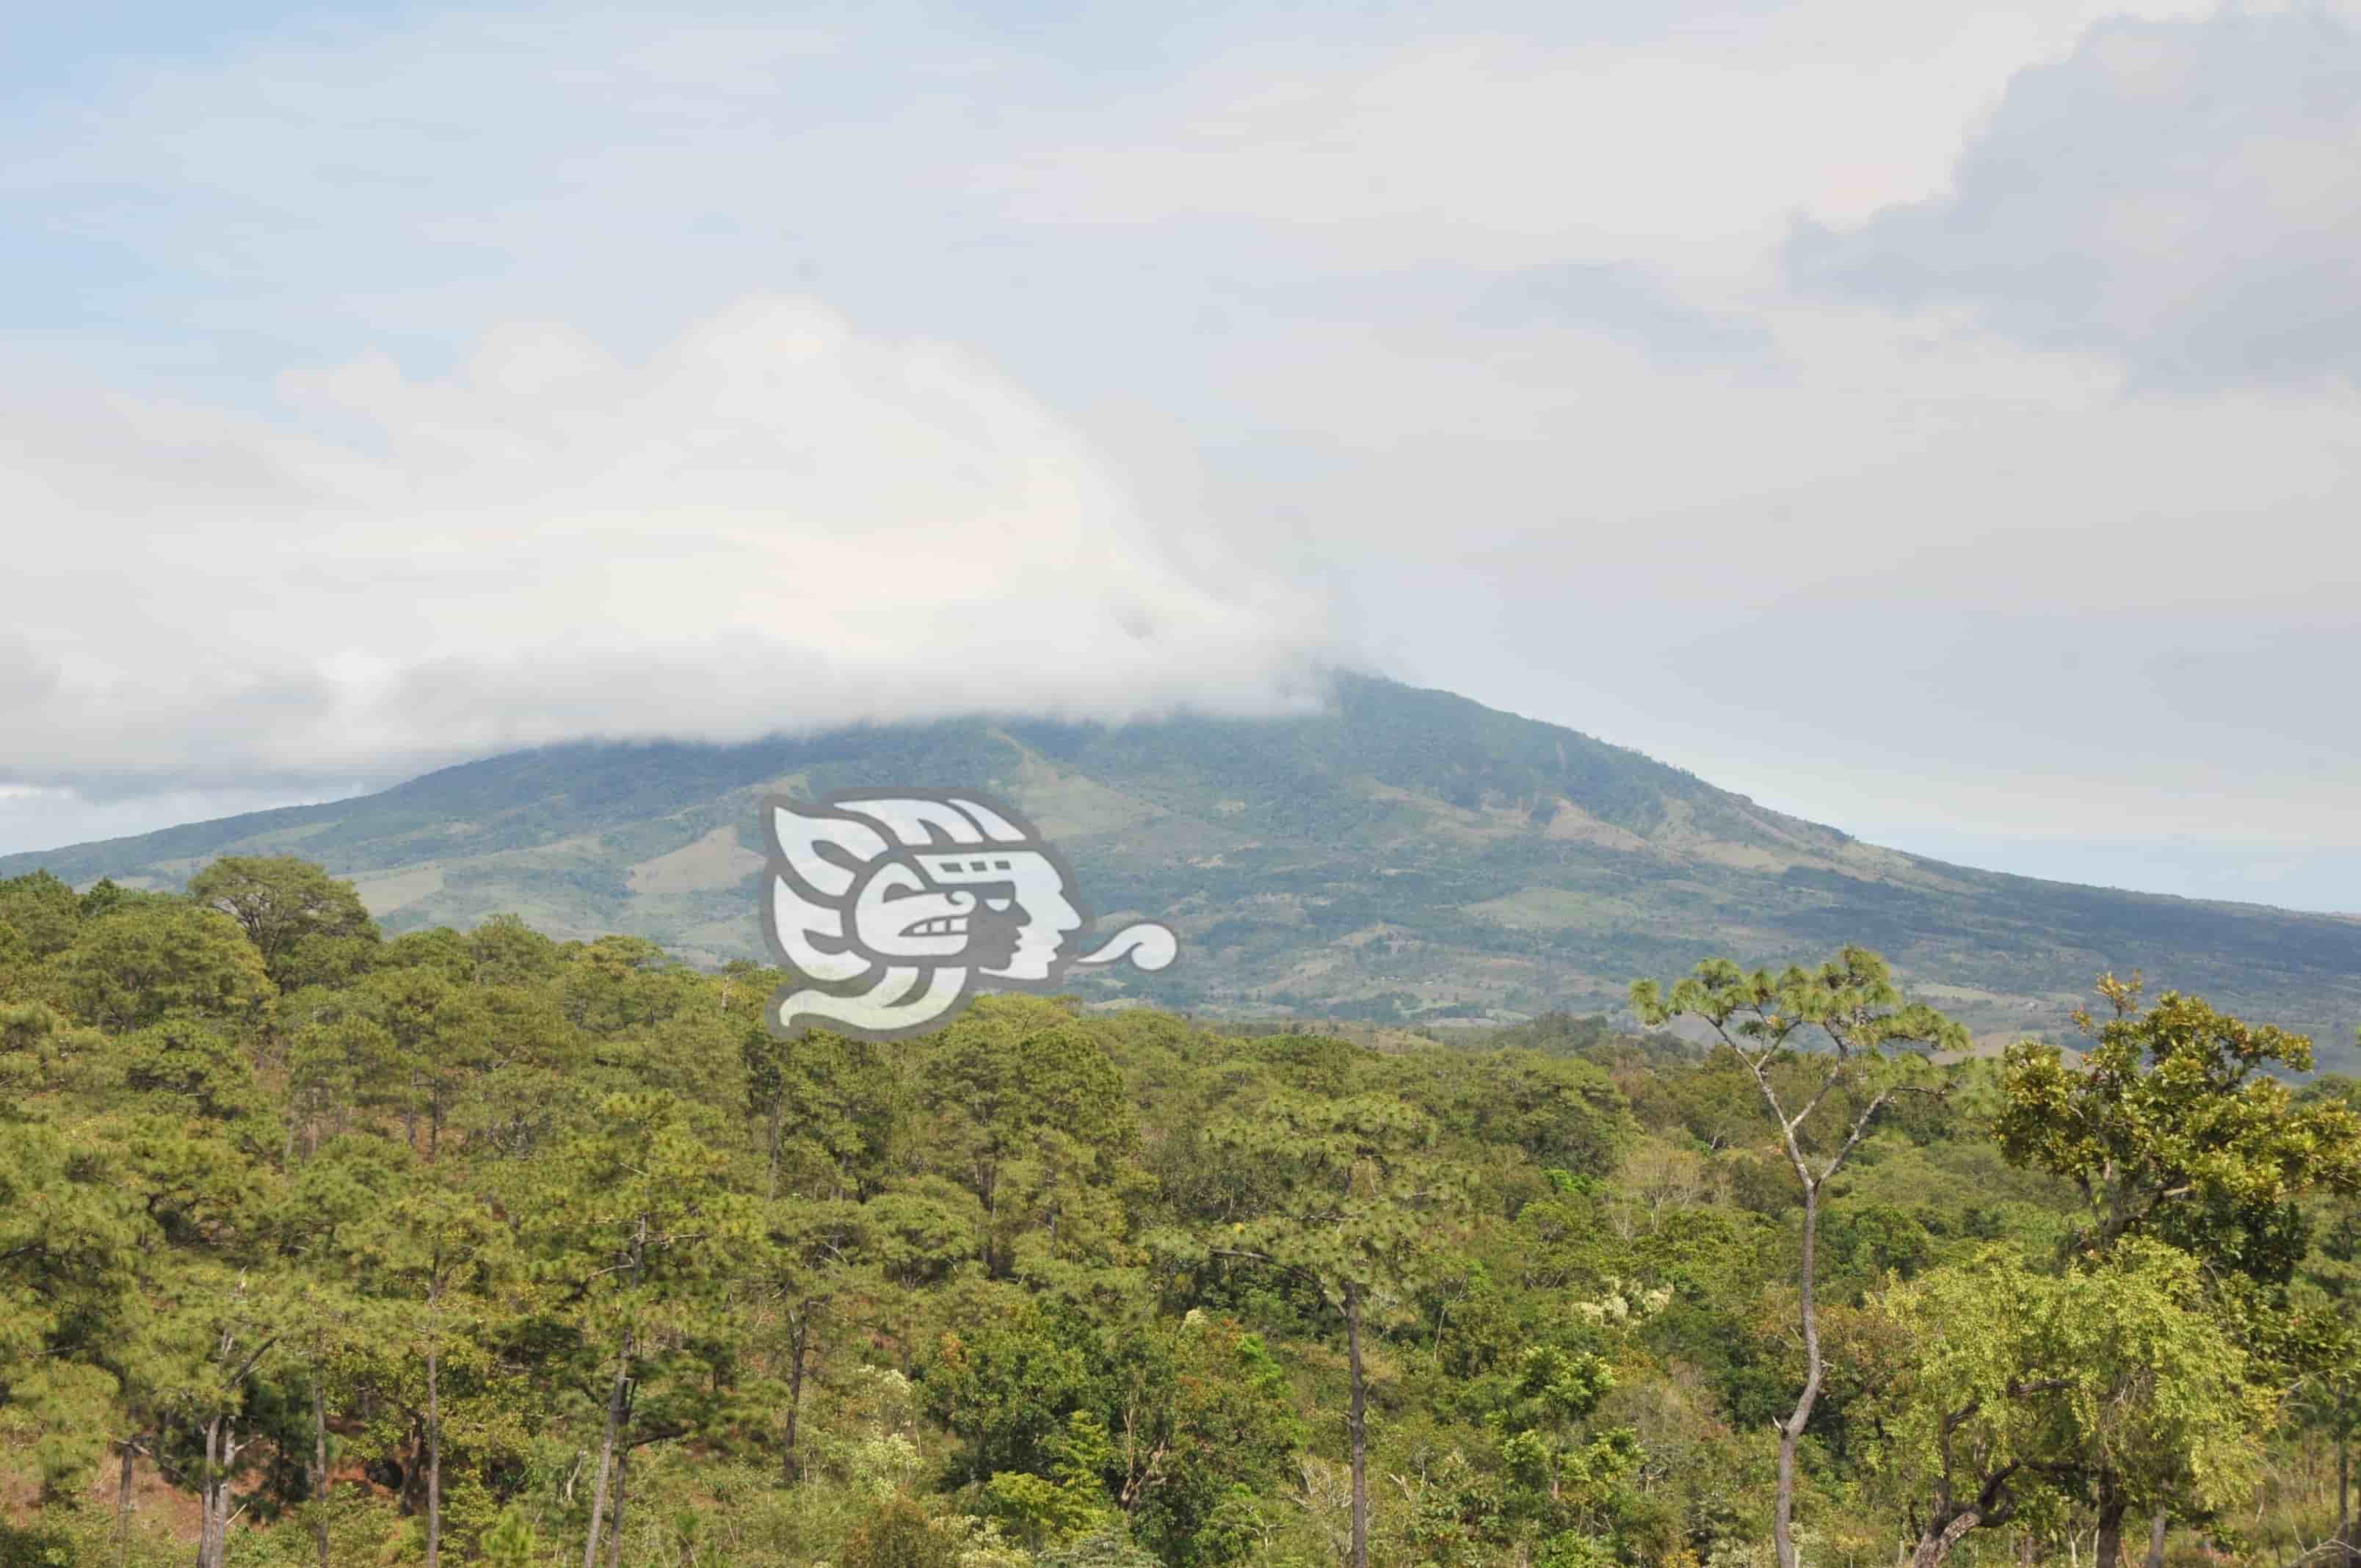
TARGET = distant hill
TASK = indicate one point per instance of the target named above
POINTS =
(1402, 856)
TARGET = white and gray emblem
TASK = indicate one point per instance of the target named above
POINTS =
(895, 906)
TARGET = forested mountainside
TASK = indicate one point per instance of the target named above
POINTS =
(1404, 856)
(317, 1246)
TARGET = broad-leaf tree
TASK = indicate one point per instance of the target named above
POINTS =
(307, 925)
(2021, 1386)
(2173, 1127)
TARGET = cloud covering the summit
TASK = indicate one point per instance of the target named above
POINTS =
(773, 523)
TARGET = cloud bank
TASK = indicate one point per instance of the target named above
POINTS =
(2182, 198)
(774, 523)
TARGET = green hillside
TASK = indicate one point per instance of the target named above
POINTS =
(1403, 855)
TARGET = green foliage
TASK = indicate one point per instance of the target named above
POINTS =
(828, 1106)
(37, 1548)
(512, 1542)
(41, 913)
(2171, 1126)
(1069, 1503)
(1565, 1114)
(144, 962)
(2020, 1383)
(69, 1241)
(308, 928)
(1349, 1191)
(1065, 1285)
(1107, 1549)
(1004, 1388)
(901, 1534)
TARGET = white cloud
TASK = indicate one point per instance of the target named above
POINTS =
(1508, 148)
(774, 522)
(1896, 577)
(2184, 199)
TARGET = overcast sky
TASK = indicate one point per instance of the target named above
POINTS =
(1935, 420)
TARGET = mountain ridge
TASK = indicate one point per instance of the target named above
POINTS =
(1401, 855)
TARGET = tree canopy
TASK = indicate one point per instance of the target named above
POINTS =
(321, 1247)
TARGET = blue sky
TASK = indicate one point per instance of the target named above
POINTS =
(1937, 421)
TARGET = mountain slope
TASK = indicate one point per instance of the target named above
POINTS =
(1402, 854)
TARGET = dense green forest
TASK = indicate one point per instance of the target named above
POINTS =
(321, 1246)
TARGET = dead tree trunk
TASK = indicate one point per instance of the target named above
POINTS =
(606, 1452)
(615, 1398)
(2345, 1498)
(622, 1488)
(320, 1471)
(778, 1109)
(222, 1449)
(791, 1466)
(1357, 1424)
(206, 1497)
(123, 1502)
(433, 1430)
